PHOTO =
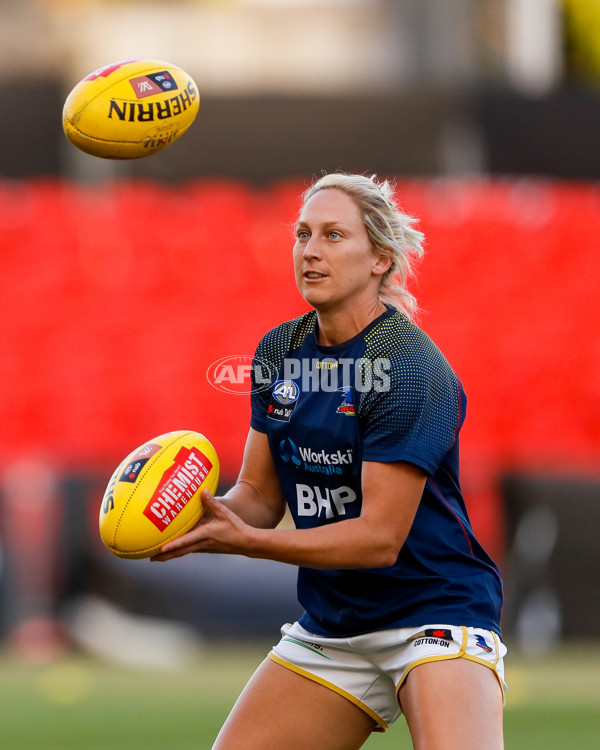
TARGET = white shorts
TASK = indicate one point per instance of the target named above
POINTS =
(370, 669)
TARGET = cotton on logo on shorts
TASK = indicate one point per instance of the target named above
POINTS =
(233, 374)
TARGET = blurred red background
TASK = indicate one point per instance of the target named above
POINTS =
(116, 299)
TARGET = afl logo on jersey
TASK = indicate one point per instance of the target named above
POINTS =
(284, 398)
(285, 391)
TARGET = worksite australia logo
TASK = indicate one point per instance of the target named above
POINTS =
(235, 374)
(315, 461)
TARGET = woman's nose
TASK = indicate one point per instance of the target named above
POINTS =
(312, 248)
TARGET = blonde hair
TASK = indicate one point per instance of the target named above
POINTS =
(390, 231)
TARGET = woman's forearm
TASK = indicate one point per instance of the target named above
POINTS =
(253, 506)
(346, 544)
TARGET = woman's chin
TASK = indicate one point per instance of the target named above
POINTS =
(321, 302)
(315, 296)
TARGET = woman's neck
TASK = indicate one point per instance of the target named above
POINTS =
(338, 326)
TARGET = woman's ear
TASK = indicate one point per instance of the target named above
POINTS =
(381, 265)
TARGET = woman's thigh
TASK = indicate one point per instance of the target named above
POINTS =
(281, 709)
(454, 704)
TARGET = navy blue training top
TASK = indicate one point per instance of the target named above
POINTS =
(388, 394)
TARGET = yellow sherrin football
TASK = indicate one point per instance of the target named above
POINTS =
(154, 494)
(130, 109)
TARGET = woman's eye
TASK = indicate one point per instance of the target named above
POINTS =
(301, 235)
(334, 235)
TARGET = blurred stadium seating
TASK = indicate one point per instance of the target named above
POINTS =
(116, 298)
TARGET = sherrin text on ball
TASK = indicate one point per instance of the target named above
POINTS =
(130, 109)
(154, 494)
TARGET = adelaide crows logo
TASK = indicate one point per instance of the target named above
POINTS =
(482, 644)
(347, 405)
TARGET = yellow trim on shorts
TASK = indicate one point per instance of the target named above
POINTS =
(439, 657)
(460, 655)
(493, 666)
(331, 686)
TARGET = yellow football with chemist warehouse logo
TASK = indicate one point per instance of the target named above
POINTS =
(130, 109)
(154, 494)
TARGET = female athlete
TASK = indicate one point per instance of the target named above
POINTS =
(358, 437)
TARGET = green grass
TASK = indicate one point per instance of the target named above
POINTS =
(553, 703)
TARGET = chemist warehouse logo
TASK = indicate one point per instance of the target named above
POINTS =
(317, 462)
